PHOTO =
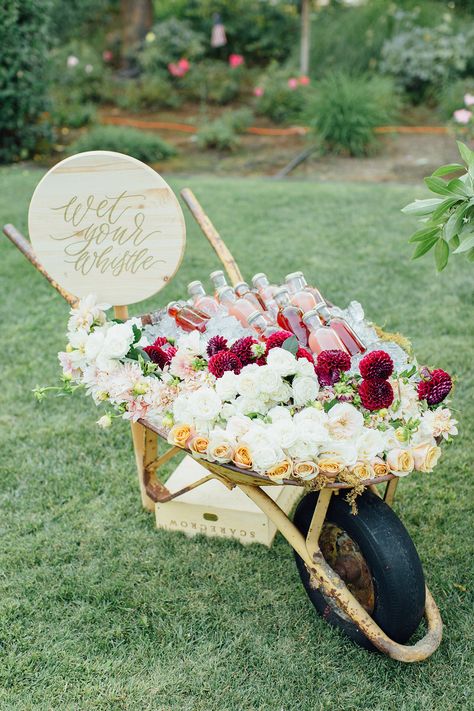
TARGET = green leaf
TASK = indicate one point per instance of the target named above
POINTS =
(424, 233)
(444, 207)
(448, 168)
(455, 241)
(438, 185)
(291, 344)
(424, 247)
(454, 223)
(328, 405)
(470, 255)
(466, 154)
(441, 254)
(422, 207)
(137, 334)
(458, 187)
(465, 245)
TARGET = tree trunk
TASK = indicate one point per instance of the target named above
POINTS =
(305, 37)
(137, 19)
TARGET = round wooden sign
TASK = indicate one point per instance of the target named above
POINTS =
(105, 223)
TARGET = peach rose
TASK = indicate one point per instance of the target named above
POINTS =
(280, 471)
(330, 466)
(426, 456)
(242, 457)
(179, 435)
(305, 470)
(198, 446)
(220, 449)
(400, 461)
(363, 470)
(380, 467)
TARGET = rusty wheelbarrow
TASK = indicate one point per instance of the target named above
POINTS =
(361, 572)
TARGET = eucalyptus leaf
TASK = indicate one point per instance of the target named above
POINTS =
(465, 245)
(466, 154)
(444, 207)
(448, 168)
(424, 247)
(291, 344)
(422, 207)
(441, 254)
(423, 234)
(438, 185)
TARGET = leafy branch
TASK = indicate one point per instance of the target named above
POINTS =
(448, 220)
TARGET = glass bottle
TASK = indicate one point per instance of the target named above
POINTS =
(312, 290)
(321, 338)
(201, 300)
(187, 317)
(258, 324)
(345, 332)
(241, 309)
(266, 291)
(218, 279)
(290, 317)
(242, 290)
(299, 296)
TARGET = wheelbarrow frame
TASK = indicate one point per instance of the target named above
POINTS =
(149, 461)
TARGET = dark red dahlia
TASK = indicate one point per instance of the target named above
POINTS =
(170, 353)
(436, 387)
(277, 339)
(377, 364)
(216, 344)
(222, 361)
(160, 341)
(157, 355)
(303, 353)
(375, 393)
(329, 365)
(243, 349)
(262, 360)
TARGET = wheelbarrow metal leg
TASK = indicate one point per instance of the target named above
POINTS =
(333, 586)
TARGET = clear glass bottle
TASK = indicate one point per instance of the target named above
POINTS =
(241, 309)
(242, 290)
(321, 337)
(290, 317)
(187, 317)
(312, 290)
(266, 291)
(345, 332)
(299, 296)
(218, 279)
(201, 300)
(258, 324)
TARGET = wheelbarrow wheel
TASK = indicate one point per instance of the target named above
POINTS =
(374, 555)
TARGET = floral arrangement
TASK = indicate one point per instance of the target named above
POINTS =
(270, 407)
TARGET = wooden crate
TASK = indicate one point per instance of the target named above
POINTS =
(215, 511)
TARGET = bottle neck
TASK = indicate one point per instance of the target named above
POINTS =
(261, 282)
(226, 295)
(197, 291)
(323, 312)
(282, 299)
(219, 280)
(295, 284)
(242, 289)
(313, 322)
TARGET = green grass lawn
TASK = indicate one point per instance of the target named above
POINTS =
(98, 610)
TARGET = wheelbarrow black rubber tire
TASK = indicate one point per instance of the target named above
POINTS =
(392, 560)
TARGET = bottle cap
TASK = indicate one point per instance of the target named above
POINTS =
(257, 277)
(254, 316)
(310, 314)
(223, 289)
(239, 284)
(322, 308)
(217, 274)
(281, 290)
(294, 275)
(193, 284)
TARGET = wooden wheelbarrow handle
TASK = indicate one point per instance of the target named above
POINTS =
(213, 236)
(26, 249)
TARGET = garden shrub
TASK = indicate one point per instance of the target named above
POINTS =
(282, 99)
(143, 145)
(212, 81)
(72, 115)
(24, 40)
(76, 18)
(168, 42)
(218, 134)
(148, 92)
(348, 108)
(78, 72)
(423, 59)
(451, 96)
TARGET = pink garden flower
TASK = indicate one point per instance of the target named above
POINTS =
(184, 65)
(293, 83)
(304, 80)
(107, 55)
(180, 68)
(235, 60)
(258, 91)
(469, 99)
(462, 116)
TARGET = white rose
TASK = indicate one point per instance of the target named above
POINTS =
(304, 367)
(248, 405)
(246, 380)
(282, 361)
(205, 404)
(94, 344)
(369, 444)
(221, 446)
(278, 413)
(118, 340)
(227, 385)
(305, 389)
(313, 415)
(264, 451)
(283, 394)
(238, 425)
(344, 421)
(105, 421)
(268, 380)
(342, 450)
(285, 433)
(181, 409)
(193, 343)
